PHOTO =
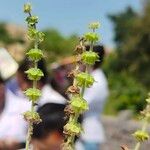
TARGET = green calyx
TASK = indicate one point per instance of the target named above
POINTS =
(35, 54)
(33, 94)
(94, 25)
(89, 57)
(91, 37)
(27, 8)
(34, 34)
(141, 136)
(32, 117)
(72, 128)
(84, 79)
(78, 104)
(34, 74)
(32, 20)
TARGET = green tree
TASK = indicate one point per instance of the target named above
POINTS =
(131, 60)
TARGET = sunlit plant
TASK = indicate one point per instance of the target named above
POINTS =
(142, 135)
(77, 105)
(34, 74)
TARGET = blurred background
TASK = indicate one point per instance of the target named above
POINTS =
(125, 34)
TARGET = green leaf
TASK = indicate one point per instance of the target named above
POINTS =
(34, 74)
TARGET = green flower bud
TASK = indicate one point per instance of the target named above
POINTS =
(94, 25)
(33, 94)
(35, 54)
(32, 20)
(91, 37)
(27, 8)
(90, 57)
(34, 74)
(72, 128)
(141, 135)
(32, 117)
(78, 104)
(84, 79)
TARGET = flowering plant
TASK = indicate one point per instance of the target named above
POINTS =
(34, 74)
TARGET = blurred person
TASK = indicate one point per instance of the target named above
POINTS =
(59, 80)
(12, 124)
(48, 135)
(48, 93)
(12, 85)
(96, 96)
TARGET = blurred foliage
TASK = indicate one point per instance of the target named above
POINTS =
(126, 92)
(5, 37)
(57, 45)
(128, 68)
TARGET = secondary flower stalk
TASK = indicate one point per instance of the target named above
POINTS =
(77, 105)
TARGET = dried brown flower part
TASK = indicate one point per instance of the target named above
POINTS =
(79, 49)
(32, 117)
(124, 147)
(73, 73)
(68, 110)
(73, 90)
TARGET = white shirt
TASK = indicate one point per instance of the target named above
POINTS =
(96, 97)
(12, 124)
(49, 95)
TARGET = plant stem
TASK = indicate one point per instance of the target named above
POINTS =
(84, 86)
(28, 139)
(137, 146)
(30, 128)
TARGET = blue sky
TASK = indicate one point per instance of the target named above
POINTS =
(69, 16)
